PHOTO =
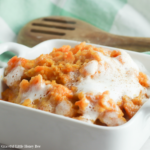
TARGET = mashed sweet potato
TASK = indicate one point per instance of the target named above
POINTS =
(95, 85)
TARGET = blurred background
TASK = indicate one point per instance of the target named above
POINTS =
(121, 17)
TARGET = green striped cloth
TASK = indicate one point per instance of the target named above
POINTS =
(123, 17)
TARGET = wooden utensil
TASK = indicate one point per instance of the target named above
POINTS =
(59, 27)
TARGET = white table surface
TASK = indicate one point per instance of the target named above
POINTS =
(146, 146)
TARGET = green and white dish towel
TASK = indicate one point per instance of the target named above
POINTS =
(122, 17)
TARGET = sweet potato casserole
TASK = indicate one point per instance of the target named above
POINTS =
(94, 85)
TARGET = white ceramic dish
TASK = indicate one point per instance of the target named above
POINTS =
(21, 125)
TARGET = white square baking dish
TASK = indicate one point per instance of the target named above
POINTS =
(21, 125)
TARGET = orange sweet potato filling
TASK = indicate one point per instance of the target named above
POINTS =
(143, 79)
(55, 69)
(115, 53)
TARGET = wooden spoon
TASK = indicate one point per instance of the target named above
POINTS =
(59, 27)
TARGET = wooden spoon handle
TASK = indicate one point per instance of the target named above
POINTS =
(54, 27)
(131, 43)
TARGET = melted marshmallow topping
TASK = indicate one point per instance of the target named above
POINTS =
(14, 76)
(63, 108)
(37, 91)
(90, 114)
(92, 67)
(111, 74)
(112, 119)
